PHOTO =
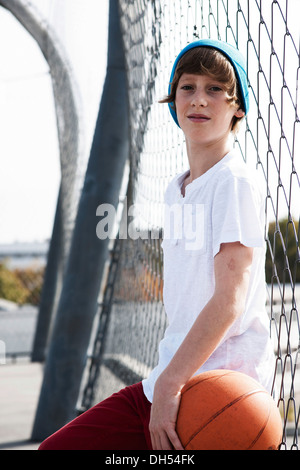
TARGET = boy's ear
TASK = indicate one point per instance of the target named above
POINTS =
(239, 113)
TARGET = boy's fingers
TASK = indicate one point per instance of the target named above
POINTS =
(166, 440)
(173, 436)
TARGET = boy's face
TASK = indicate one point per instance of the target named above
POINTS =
(203, 111)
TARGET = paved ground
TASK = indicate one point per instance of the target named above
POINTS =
(20, 382)
(19, 393)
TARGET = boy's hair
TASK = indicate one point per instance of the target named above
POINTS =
(211, 62)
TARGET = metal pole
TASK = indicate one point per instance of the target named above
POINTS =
(78, 303)
(51, 288)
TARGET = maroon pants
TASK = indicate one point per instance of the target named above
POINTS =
(120, 422)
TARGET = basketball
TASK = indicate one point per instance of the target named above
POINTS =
(227, 410)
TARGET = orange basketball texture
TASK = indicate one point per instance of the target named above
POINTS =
(227, 410)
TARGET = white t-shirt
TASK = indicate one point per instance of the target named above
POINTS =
(225, 204)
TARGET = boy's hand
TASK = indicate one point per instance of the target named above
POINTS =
(163, 418)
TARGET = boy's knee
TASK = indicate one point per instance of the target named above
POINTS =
(51, 443)
(46, 445)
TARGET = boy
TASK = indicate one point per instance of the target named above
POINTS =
(213, 277)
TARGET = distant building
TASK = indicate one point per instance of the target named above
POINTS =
(24, 254)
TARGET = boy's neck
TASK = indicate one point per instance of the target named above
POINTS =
(201, 159)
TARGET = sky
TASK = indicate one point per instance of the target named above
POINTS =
(28, 144)
(29, 154)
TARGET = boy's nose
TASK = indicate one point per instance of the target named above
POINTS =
(199, 99)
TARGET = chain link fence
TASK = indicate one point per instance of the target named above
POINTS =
(131, 314)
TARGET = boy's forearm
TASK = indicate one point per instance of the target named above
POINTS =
(203, 338)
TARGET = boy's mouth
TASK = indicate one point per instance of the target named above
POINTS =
(198, 118)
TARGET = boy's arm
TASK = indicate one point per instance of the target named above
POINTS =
(232, 271)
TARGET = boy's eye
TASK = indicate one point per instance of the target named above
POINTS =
(215, 88)
(186, 87)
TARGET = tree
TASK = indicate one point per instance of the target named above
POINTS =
(283, 254)
(22, 286)
(11, 288)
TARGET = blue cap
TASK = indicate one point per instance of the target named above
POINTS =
(234, 56)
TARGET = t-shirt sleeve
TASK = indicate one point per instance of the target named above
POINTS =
(237, 214)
